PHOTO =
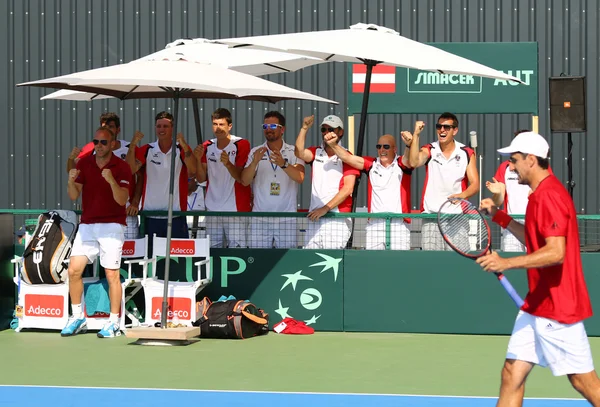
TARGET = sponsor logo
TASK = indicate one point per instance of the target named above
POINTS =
(38, 305)
(434, 82)
(182, 247)
(178, 306)
(128, 248)
(155, 162)
(38, 250)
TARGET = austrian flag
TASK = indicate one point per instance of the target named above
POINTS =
(383, 78)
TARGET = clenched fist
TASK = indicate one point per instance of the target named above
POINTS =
(73, 174)
(331, 139)
(419, 126)
(137, 137)
(74, 153)
(108, 176)
(199, 152)
(308, 121)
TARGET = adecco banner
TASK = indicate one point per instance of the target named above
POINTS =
(402, 90)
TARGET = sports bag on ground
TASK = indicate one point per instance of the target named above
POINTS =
(232, 319)
(45, 255)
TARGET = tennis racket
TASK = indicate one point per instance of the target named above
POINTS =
(468, 233)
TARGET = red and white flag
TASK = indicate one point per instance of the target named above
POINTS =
(383, 78)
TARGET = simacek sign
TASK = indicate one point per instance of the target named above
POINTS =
(47, 306)
(402, 90)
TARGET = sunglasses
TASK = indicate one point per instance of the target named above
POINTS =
(271, 126)
(103, 142)
(445, 126)
(327, 129)
(384, 146)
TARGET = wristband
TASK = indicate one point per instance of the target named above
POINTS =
(502, 218)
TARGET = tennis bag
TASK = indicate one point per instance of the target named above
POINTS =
(231, 319)
(45, 255)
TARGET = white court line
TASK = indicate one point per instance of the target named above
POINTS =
(282, 392)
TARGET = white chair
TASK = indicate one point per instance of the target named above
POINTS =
(42, 306)
(181, 295)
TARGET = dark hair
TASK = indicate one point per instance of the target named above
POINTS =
(276, 114)
(164, 115)
(108, 117)
(448, 115)
(221, 113)
(544, 163)
(112, 135)
(516, 133)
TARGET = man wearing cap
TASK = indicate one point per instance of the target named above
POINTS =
(332, 185)
(549, 328)
(20, 234)
(507, 190)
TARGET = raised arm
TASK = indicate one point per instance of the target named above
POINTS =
(249, 171)
(130, 158)
(352, 160)
(299, 150)
(73, 188)
(417, 157)
(188, 158)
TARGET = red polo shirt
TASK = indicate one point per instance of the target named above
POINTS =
(97, 200)
(557, 292)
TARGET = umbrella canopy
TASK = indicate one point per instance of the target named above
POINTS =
(173, 79)
(248, 61)
(182, 79)
(368, 42)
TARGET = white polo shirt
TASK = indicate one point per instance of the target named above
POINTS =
(273, 189)
(517, 195)
(444, 176)
(327, 178)
(388, 189)
(157, 176)
(223, 193)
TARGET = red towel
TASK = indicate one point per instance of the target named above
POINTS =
(292, 326)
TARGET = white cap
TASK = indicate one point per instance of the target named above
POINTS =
(333, 121)
(527, 143)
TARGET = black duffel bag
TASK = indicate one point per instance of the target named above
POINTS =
(231, 319)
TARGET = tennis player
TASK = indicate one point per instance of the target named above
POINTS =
(549, 328)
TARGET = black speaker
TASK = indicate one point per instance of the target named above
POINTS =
(567, 104)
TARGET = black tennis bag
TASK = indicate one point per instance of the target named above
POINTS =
(232, 319)
(45, 255)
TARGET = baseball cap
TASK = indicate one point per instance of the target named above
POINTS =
(527, 143)
(333, 121)
(20, 231)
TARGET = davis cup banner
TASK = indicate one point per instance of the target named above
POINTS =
(403, 90)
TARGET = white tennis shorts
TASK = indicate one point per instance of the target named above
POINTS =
(104, 239)
(548, 343)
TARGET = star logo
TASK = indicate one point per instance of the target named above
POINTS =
(310, 297)
(328, 263)
(293, 279)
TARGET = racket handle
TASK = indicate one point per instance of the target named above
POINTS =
(510, 289)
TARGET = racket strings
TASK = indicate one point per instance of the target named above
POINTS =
(467, 231)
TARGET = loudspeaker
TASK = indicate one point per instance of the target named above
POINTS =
(567, 104)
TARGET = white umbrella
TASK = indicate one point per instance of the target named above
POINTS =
(371, 45)
(173, 79)
(251, 62)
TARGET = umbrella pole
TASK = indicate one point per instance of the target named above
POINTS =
(361, 137)
(165, 306)
(197, 120)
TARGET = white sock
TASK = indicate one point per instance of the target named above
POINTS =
(77, 311)
(114, 318)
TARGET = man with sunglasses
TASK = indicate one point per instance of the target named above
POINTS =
(549, 329)
(332, 185)
(451, 169)
(113, 122)
(389, 180)
(220, 162)
(102, 180)
(155, 159)
(274, 172)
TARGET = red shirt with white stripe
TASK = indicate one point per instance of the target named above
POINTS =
(388, 187)
(327, 177)
(155, 196)
(558, 292)
(223, 193)
(444, 176)
(97, 201)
